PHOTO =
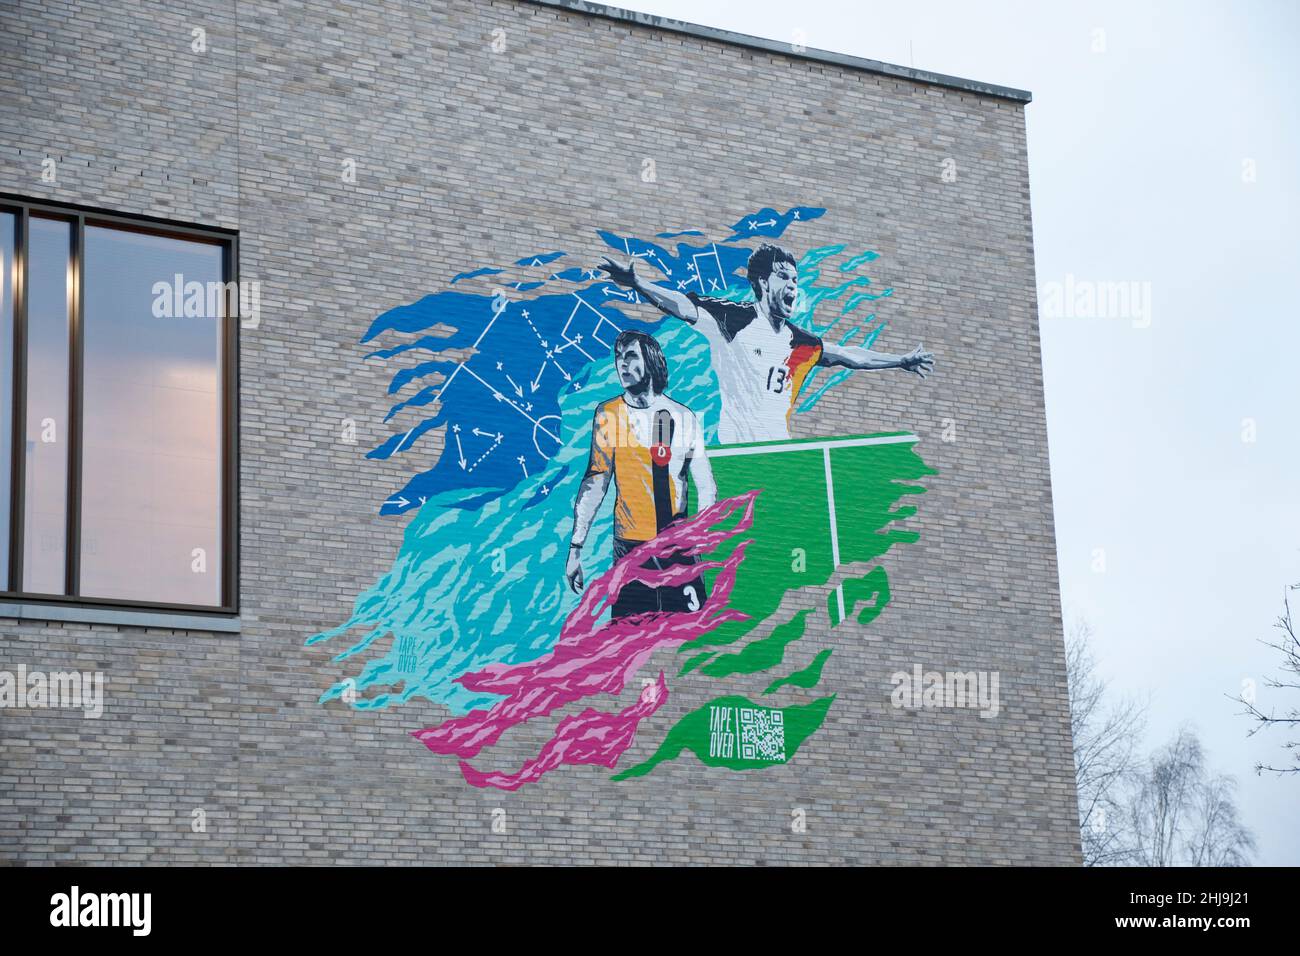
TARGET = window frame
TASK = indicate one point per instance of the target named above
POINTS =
(80, 217)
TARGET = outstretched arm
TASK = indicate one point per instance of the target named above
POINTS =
(666, 300)
(590, 494)
(854, 356)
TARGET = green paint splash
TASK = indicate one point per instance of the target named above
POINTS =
(761, 654)
(805, 678)
(872, 585)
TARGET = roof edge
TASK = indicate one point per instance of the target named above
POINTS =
(806, 53)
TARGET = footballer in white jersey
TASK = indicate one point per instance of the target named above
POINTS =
(760, 358)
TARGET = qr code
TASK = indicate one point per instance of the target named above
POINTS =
(762, 734)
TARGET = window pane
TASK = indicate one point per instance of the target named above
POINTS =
(49, 295)
(152, 437)
(8, 272)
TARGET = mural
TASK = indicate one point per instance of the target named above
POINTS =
(617, 479)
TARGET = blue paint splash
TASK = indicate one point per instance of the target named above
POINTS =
(459, 276)
(540, 258)
(770, 224)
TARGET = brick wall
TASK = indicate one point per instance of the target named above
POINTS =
(465, 155)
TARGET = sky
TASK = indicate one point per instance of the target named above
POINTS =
(1163, 140)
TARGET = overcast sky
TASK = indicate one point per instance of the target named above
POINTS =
(1162, 150)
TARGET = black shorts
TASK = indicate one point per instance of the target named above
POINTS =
(638, 598)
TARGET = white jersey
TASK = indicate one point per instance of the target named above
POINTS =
(760, 369)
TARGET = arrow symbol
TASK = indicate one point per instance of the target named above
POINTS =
(575, 341)
(400, 501)
(491, 448)
(460, 452)
(518, 391)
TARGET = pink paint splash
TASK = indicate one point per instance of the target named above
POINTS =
(590, 658)
(592, 737)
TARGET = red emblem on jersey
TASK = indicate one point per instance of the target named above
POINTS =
(660, 453)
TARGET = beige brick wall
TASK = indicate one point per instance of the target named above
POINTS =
(466, 156)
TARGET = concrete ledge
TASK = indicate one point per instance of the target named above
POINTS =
(774, 46)
(168, 620)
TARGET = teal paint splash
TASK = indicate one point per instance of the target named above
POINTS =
(810, 273)
(471, 587)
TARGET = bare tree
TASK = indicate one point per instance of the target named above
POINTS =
(1218, 837)
(1165, 810)
(1106, 734)
(1178, 814)
(1289, 646)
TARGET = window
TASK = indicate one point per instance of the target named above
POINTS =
(117, 437)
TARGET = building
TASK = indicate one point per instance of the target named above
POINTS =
(215, 528)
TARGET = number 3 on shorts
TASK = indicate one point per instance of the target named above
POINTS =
(692, 598)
